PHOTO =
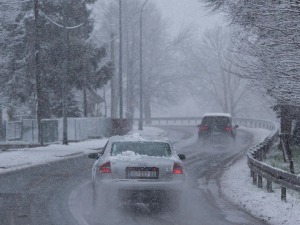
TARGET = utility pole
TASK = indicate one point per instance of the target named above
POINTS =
(65, 75)
(141, 66)
(114, 81)
(120, 62)
(38, 84)
(104, 98)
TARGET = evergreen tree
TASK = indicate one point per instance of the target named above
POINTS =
(54, 15)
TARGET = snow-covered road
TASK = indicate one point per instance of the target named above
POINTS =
(236, 181)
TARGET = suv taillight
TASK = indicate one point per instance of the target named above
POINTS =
(228, 128)
(105, 168)
(177, 168)
(204, 128)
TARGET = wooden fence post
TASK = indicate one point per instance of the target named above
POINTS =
(269, 186)
(259, 182)
(283, 194)
(254, 178)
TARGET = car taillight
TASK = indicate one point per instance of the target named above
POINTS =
(177, 168)
(204, 128)
(228, 128)
(105, 168)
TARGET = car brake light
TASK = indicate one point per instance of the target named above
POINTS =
(105, 168)
(204, 128)
(228, 128)
(177, 168)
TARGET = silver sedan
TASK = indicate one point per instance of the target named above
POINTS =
(136, 169)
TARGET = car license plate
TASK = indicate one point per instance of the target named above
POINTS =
(142, 172)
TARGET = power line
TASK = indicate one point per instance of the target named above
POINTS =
(14, 2)
(59, 25)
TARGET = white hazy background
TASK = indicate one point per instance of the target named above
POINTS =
(182, 13)
(178, 15)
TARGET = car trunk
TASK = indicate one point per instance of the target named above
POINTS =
(142, 168)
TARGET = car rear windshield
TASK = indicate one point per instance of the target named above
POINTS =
(216, 121)
(158, 149)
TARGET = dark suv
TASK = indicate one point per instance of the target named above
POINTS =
(217, 128)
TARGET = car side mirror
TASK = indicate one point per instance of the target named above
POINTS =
(93, 155)
(181, 156)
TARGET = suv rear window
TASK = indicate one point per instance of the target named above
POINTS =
(216, 121)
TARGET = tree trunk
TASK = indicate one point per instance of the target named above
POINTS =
(147, 109)
(286, 129)
(84, 102)
(285, 139)
(130, 79)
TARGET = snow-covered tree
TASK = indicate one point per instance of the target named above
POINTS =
(268, 42)
(269, 46)
(54, 15)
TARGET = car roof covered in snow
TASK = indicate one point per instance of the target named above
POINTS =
(217, 114)
(136, 137)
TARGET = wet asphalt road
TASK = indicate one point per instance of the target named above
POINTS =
(60, 193)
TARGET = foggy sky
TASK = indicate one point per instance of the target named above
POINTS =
(181, 13)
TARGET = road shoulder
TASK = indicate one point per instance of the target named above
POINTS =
(237, 186)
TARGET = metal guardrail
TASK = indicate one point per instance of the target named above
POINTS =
(251, 123)
(260, 170)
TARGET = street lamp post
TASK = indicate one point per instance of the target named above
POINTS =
(120, 62)
(141, 66)
(65, 75)
(38, 73)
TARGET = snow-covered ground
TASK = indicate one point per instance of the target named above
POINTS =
(237, 185)
(236, 181)
(14, 159)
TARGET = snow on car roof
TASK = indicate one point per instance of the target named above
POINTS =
(217, 114)
(132, 156)
(139, 137)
